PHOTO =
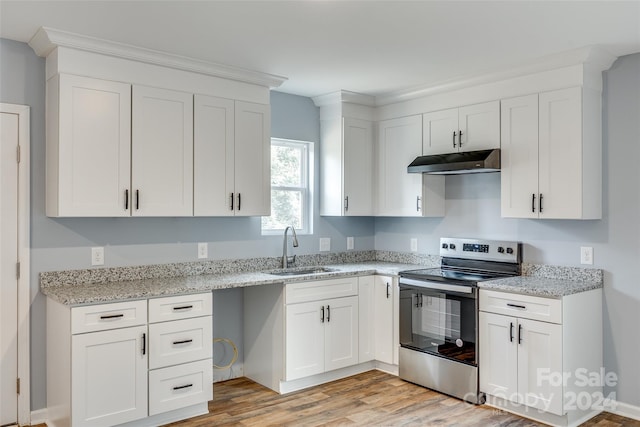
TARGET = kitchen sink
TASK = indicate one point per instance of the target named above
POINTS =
(300, 271)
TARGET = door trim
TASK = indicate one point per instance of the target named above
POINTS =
(24, 294)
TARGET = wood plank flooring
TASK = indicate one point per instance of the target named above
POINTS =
(373, 398)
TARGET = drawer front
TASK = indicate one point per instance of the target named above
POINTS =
(524, 306)
(180, 386)
(180, 307)
(182, 341)
(101, 317)
(320, 289)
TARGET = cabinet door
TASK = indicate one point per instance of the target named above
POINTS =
(213, 156)
(366, 318)
(357, 168)
(162, 154)
(396, 322)
(304, 340)
(400, 141)
(252, 159)
(341, 333)
(383, 319)
(519, 157)
(438, 128)
(480, 126)
(109, 377)
(498, 358)
(89, 157)
(560, 176)
(539, 356)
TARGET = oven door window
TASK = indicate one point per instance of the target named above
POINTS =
(437, 322)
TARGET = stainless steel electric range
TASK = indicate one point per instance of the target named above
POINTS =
(439, 314)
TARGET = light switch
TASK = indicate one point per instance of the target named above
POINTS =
(414, 244)
(325, 244)
(349, 243)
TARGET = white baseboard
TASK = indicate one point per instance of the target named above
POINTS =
(39, 417)
(625, 410)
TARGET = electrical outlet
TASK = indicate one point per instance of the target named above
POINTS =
(414, 244)
(203, 250)
(97, 256)
(325, 244)
(586, 255)
(349, 243)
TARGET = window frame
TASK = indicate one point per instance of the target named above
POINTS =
(305, 188)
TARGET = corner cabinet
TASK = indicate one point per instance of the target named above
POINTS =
(231, 157)
(400, 193)
(552, 155)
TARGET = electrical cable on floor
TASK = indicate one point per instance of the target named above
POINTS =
(235, 353)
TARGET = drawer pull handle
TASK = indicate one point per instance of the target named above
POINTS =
(523, 307)
(111, 316)
(180, 387)
(182, 342)
(183, 307)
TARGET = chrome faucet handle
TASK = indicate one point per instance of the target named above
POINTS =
(291, 260)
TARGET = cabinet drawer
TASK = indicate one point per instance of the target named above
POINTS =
(181, 341)
(180, 307)
(321, 289)
(180, 386)
(524, 306)
(102, 317)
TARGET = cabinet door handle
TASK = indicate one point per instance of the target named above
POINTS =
(510, 331)
(418, 203)
(126, 199)
(144, 344)
(239, 201)
(322, 318)
(328, 314)
(137, 199)
(388, 294)
(417, 300)
(421, 299)
(519, 334)
(454, 139)
(231, 202)
(182, 342)
(346, 203)
(183, 386)
(533, 202)
(111, 316)
(183, 307)
(460, 139)
(540, 203)
(523, 307)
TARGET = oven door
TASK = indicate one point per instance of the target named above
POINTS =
(439, 318)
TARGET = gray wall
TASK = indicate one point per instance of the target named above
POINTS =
(473, 210)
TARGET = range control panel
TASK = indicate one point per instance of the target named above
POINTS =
(486, 250)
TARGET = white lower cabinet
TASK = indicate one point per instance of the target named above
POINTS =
(383, 320)
(99, 359)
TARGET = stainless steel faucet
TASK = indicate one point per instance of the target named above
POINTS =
(286, 260)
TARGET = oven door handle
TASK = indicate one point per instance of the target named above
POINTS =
(436, 285)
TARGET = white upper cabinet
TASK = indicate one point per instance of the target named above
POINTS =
(162, 153)
(88, 147)
(552, 155)
(346, 161)
(468, 128)
(400, 193)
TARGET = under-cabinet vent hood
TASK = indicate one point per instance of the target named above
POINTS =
(457, 163)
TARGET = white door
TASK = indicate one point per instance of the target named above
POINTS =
(519, 157)
(560, 180)
(357, 167)
(8, 260)
(480, 126)
(399, 143)
(383, 319)
(304, 341)
(440, 132)
(366, 318)
(162, 153)
(498, 358)
(540, 360)
(341, 333)
(252, 159)
(109, 377)
(213, 156)
(94, 147)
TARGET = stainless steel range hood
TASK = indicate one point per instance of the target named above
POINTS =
(457, 163)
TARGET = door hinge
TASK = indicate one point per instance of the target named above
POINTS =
(18, 153)
(17, 270)
(18, 385)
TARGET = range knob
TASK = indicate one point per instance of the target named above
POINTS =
(452, 246)
(510, 251)
(500, 250)
(445, 246)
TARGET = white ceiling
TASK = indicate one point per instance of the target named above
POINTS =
(371, 47)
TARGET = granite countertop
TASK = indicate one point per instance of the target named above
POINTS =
(541, 286)
(92, 293)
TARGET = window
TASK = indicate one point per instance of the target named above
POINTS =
(291, 183)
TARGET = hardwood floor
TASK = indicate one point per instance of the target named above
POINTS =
(373, 398)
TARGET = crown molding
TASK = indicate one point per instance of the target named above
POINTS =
(47, 39)
(596, 58)
(335, 98)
